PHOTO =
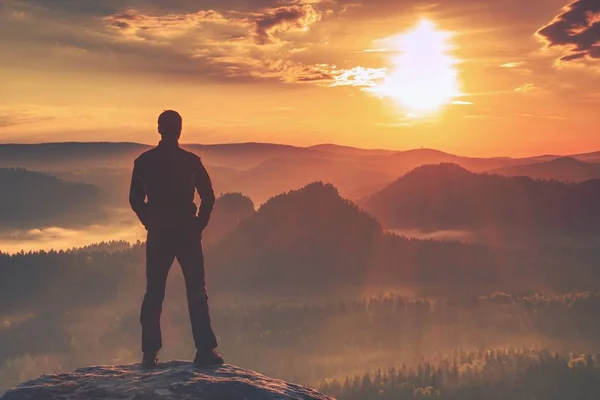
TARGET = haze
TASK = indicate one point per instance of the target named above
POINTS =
(407, 192)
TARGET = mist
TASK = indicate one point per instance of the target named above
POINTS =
(305, 283)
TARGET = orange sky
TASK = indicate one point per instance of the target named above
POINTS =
(298, 72)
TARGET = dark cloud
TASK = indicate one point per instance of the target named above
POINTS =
(576, 29)
(134, 24)
(575, 56)
(284, 19)
(107, 7)
(214, 40)
(164, 40)
(262, 27)
(473, 12)
(229, 44)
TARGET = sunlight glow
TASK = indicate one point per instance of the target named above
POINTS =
(423, 77)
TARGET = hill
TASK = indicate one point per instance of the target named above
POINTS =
(55, 156)
(312, 243)
(446, 196)
(564, 169)
(303, 240)
(172, 380)
(405, 161)
(245, 155)
(281, 174)
(308, 244)
(349, 150)
(32, 199)
(259, 170)
(593, 157)
(230, 209)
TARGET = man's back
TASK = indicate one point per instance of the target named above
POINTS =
(168, 176)
(162, 195)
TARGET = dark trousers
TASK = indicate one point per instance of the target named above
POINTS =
(162, 248)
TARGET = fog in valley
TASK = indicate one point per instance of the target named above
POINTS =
(340, 268)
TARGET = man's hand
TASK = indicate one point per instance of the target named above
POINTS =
(199, 224)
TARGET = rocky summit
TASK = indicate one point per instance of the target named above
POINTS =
(172, 380)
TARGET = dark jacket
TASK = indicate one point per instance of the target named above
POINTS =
(168, 176)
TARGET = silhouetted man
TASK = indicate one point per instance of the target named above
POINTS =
(167, 176)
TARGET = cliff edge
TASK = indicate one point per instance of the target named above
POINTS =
(172, 380)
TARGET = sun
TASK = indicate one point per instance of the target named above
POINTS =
(423, 77)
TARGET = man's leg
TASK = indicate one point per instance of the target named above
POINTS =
(191, 259)
(159, 258)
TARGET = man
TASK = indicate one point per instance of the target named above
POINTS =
(167, 176)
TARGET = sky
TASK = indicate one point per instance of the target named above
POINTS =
(473, 77)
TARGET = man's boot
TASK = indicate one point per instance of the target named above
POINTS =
(208, 358)
(149, 361)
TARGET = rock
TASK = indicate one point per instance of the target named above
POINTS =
(172, 380)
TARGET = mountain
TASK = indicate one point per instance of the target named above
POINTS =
(313, 244)
(280, 174)
(564, 169)
(348, 150)
(259, 170)
(32, 199)
(57, 156)
(593, 157)
(303, 240)
(230, 209)
(404, 161)
(107, 154)
(172, 380)
(245, 155)
(446, 196)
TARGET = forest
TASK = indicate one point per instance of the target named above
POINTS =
(312, 289)
(486, 374)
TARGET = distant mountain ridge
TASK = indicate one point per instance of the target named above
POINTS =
(564, 169)
(313, 242)
(447, 196)
(33, 200)
(318, 230)
(257, 148)
(259, 170)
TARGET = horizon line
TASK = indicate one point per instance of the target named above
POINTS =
(295, 146)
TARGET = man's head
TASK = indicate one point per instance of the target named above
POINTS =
(169, 125)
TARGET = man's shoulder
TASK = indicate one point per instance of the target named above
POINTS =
(155, 154)
(147, 155)
(192, 157)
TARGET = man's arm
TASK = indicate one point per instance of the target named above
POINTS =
(207, 195)
(137, 195)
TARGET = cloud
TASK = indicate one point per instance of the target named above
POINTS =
(262, 27)
(526, 88)
(231, 44)
(358, 76)
(527, 115)
(56, 237)
(512, 64)
(134, 24)
(226, 40)
(283, 70)
(283, 19)
(376, 51)
(243, 45)
(290, 41)
(576, 30)
(20, 117)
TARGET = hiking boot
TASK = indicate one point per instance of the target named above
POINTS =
(208, 358)
(149, 361)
